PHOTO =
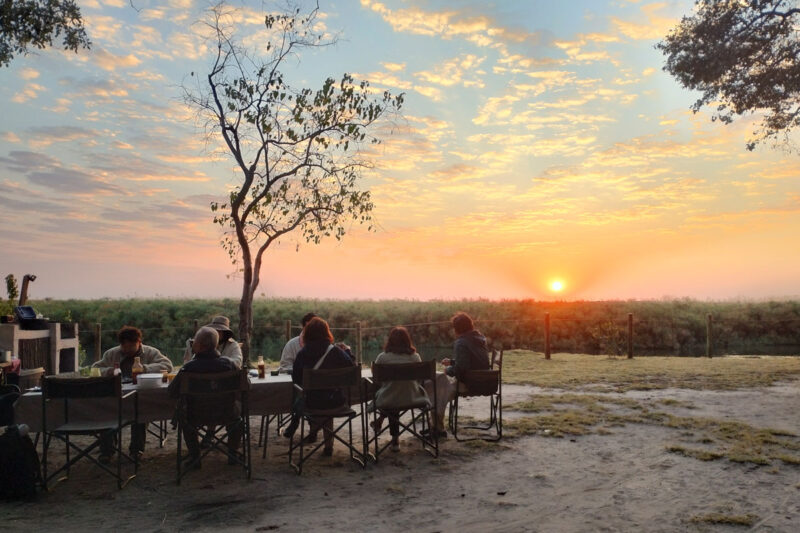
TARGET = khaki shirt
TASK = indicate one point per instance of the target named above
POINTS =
(152, 359)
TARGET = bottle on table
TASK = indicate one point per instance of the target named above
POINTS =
(136, 369)
(262, 367)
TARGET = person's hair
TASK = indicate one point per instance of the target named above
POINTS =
(307, 318)
(316, 330)
(129, 334)
(206, 339)
(399, 341)
(462, 323)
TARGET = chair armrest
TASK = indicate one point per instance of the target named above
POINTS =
(128, 394)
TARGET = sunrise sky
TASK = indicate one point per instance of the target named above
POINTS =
(541, 143)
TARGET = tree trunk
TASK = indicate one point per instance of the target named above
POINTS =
(245, 324)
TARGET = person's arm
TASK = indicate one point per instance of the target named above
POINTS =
(233, 353)
(155, 361)
(288, 356)
(297, 370)
(106, 363)
(187, 353)
(174, 387)
(460, 362)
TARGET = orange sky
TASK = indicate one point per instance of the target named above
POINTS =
(541, 141)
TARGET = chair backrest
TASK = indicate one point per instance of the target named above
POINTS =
(209, 399)
(404, 371)
(331, 378)
(497, 359)
(70, 388)
(480, 382)
(30, 377)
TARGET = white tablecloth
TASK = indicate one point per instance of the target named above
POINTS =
(271, 395)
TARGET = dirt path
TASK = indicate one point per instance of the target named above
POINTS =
(622, 481)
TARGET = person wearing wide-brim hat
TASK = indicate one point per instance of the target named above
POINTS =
(227, 347)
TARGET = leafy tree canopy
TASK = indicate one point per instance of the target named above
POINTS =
(37, 23)
(743, 56)
(299, 153)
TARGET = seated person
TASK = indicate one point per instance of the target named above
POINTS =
(292, 347)
(470, 353)
(153, 361)
(398, 350)
(228, 347)
(206, 360)
(319, 352)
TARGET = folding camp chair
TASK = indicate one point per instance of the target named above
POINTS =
(475, 383)
(103, 390)
(418, 411)
(346, 380)
(216, 405)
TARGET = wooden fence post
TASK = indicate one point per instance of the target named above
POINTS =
(630, 335)
(98, 348)
(709, 336)
(358, 341)
(547, 335)
(288, 330)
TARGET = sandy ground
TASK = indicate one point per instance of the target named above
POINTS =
(622, 481)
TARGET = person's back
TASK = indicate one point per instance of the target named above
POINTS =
(309, 357)
(470, 353)
(398, 393)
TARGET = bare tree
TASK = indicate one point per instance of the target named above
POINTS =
(299, 153)
(743, 56)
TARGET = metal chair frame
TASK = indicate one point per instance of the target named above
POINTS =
(346, 379)
(425, 370)
(99, 388)
(472, 385)
(214, 389)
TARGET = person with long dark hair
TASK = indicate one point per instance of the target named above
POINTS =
(398, 350)
(319, 351)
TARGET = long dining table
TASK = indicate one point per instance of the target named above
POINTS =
(267, 396)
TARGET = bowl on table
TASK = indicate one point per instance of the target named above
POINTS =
(149, 381)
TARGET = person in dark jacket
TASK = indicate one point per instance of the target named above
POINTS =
(207, 360)
(319, 351)
(469, 353)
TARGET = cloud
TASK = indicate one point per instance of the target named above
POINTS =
(393, 67)
(656, 25)
(47, 135)
(452, 71)
(10, 136)
(69, 181)
(28, 73)
(29, 92)
(110, 62)
(24, 161)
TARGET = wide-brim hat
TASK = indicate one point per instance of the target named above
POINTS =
(220, 323)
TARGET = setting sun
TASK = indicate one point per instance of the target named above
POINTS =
(556, 286)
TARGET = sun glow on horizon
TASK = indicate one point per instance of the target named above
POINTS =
(556, 285)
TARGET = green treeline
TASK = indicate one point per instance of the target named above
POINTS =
(669, 327)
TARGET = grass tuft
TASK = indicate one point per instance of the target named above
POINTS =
(719, 518)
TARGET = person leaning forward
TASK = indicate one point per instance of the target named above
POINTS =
(470, 352)
(130, 347)
(206, 360)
